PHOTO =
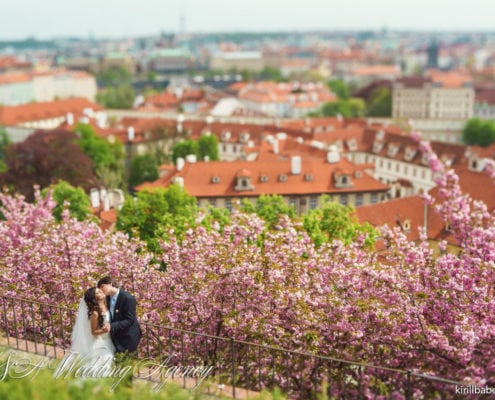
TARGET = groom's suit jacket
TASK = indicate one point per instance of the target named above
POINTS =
(125, 330)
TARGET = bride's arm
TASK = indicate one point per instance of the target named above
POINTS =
(94, 325)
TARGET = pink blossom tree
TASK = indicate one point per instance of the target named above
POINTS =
(406, 308)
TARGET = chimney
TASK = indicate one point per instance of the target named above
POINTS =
(295, 165)
(101, 120)
(275, 146)
(180, 163)
(70, 119)
(106, 203)
(191, 158)
(130, 133)
(103, 194)
(94, 198)
(333, 155)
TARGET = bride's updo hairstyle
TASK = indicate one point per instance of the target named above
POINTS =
(92, 304)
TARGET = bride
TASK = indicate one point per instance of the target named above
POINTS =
(90, 339)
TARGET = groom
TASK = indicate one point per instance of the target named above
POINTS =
(124, 327)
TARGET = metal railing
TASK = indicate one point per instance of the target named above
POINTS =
(237, 366)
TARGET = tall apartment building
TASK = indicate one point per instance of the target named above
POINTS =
(440, 96)
(238, 60)
(438, 104)
(22, 88)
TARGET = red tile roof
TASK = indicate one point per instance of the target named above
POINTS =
(399, 212)
(374, 70)
(7, 62)
(14, 115)
(6, 79)
(198, 178)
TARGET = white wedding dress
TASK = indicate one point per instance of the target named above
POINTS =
(97, 350)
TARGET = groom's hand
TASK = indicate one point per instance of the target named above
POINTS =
(106, 327)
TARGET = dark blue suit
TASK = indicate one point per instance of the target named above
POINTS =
(125, 330)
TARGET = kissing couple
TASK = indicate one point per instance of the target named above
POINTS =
(106, 323)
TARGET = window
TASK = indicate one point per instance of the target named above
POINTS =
(313, 202)
(343, 199)
(283, 178)
(425, 160)
(359, 199)
(374, 198)
(263, 178)
(213, 202)
(215, 179)
(228, 204)
(243, 183)
(293, 201)
(393, 149)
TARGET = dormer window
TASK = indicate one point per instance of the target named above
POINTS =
(447, 160)
(475, 164)
(225, 136)
(406, 225)
(425, 159)
(358, 174)
(392, 150)
(215, 179)
(409, 154)
(282, 178)
(380, 135)
(244, 137)
(342, 179)
(308, 177)
(340, 145)
(352, 144)
(377, 147)
(263, 178)
(243, 180)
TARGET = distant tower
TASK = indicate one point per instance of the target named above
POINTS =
(182, 25)
(432, 55)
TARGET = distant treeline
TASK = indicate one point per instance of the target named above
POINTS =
(29, 43)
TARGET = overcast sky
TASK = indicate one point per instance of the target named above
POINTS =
(115, 18)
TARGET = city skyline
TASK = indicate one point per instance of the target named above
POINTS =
(125, 18)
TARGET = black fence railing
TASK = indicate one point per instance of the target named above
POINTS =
(234, 366)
